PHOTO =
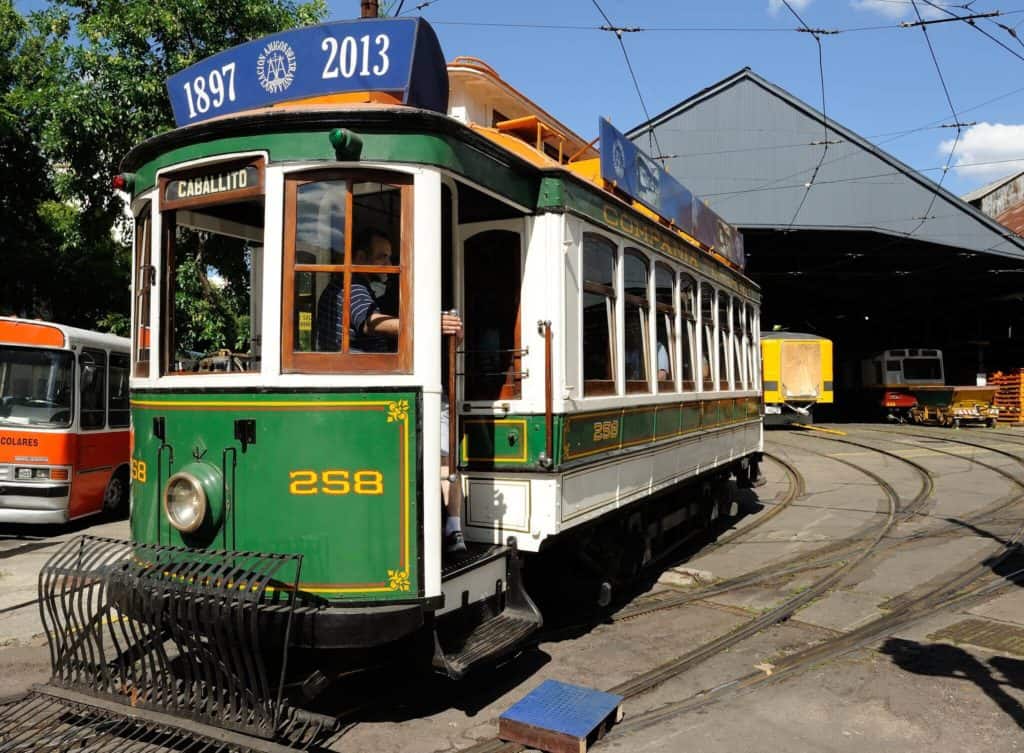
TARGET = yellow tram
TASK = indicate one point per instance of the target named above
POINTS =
(797, 376)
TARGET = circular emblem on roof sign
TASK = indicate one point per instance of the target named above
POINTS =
(618, 160)
(275, 66)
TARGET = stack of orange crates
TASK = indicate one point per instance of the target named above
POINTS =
(1010, 397)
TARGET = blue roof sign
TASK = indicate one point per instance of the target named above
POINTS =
(400, 56)
(640, 177)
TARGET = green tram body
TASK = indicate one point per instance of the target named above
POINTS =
(339, 465)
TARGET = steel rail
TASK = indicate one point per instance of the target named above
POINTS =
(797, 489)
(949, 594)
(656, 676)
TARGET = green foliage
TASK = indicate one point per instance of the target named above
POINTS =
(211, 314)
(81, 83)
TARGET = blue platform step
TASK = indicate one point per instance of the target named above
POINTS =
(560, 718)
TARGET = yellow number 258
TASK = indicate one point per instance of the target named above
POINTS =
(335, 482)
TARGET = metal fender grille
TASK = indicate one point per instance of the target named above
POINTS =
(193, 633)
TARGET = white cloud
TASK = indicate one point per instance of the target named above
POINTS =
(774, 6)
(902, 9)
(999, 145)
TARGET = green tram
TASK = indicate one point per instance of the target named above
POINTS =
(610, 353)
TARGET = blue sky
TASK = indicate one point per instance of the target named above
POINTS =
(878, 81)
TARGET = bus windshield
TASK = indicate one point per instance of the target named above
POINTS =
(36, 385)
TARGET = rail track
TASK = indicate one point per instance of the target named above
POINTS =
(958, 589)
(839, 558)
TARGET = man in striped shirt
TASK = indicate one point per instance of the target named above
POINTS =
(370, 330)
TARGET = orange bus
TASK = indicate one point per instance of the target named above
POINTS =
(64, 422)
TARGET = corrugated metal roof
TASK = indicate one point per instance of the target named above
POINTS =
(980, 193)
(750, 149)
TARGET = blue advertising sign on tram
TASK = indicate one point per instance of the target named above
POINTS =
(639, 176)
(400, 56)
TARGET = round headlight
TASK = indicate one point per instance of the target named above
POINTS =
(184, 502)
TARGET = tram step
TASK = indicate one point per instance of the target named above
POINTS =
(486, 620)
(489, 641)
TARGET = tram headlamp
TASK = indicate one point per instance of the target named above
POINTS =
(184, 502)
(193, 498)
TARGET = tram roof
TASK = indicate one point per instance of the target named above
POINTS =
(750, 147)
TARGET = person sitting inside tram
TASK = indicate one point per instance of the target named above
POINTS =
(372, 329)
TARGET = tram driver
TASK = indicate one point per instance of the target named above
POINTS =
(374, 328)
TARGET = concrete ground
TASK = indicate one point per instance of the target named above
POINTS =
(953, 681)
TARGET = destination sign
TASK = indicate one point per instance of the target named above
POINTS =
(204, 185)
(640, 177)
(214, 184)
(399, 56)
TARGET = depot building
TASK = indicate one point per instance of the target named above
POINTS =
(845, 240)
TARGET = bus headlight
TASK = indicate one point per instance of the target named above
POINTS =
(193, 498)
(184, 502)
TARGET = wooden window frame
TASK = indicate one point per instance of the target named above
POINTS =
(739, 344)
(144, 274)
(602, 387)
(635, 386)
(344, 362)
(668, 310)
(710, 350)
(688, 316)
(724, 344)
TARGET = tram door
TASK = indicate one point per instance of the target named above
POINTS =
(492, 343)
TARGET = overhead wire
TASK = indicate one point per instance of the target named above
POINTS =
(952, 109)
(856, 178)
(816, 33)
(970, 22)
(653, 139)
(824, 115)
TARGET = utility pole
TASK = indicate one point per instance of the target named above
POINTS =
(368, 8)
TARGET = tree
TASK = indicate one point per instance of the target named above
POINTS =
(26, 243)
(87, 85)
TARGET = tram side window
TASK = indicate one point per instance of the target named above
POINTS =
(688, 310)
(598, 315)
(213, 256)
(753, 348)
(739, 341)
(707, 323)
(117, 397)
(143, 283)
(93, 372)
(347, 302)
(636, 306)
(665, 327)
(724, 339)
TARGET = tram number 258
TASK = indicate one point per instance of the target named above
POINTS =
(604, 430)
(335, 482)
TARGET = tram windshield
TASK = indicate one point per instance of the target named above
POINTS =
(214, 296)
(922, 368)
(36, 385)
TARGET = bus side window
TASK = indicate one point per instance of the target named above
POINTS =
(120, 415)
(93, 364)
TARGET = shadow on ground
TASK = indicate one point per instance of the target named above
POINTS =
(944, 660)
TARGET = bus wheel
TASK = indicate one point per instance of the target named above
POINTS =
(116, 493)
